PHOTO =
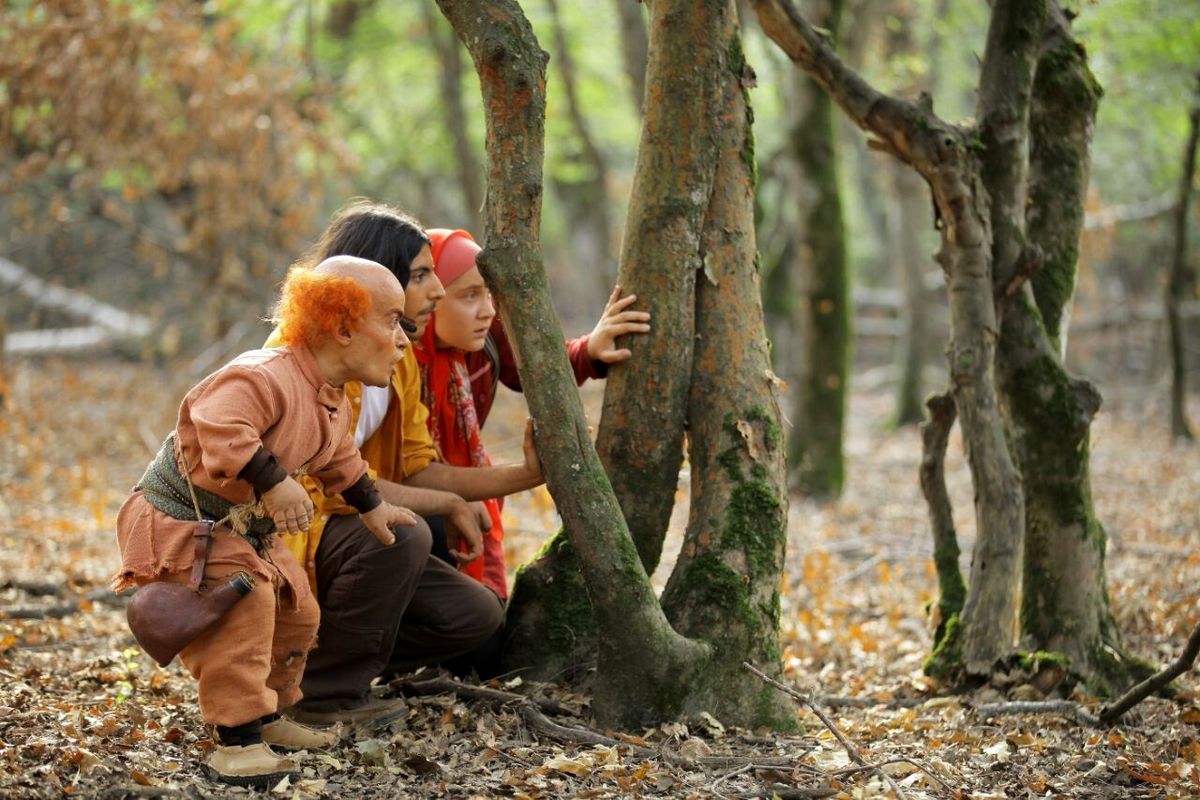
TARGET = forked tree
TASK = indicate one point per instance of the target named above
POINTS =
(689, 253)
(1008, 189)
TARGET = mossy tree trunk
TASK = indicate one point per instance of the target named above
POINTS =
(645, 668)
(1064, 605)
(1010, 196)
(725, 585)
(1182, 280)
(646, 671)
(820, 273)
(909, 212)
(945, 155)
(645, 399)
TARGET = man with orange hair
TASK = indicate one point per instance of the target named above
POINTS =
(243, 435)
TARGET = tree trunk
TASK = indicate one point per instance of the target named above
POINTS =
(644, 669)
(634, 48)
(725, 585)
(909, 214)
(1181, 281)
(822, 276)
(470, 173)
(945, 156)
(1065, 606)
(645, 400)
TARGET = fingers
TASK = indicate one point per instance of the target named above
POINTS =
(380, 531)
(616, 294)
(615, 356)
(618, 305)
(293, 519)
(402, 516)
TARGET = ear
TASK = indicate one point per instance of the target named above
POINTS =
(344, 334)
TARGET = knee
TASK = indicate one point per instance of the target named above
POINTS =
(412, 541)
(486, 612)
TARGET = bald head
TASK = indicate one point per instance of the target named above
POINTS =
(370, 275)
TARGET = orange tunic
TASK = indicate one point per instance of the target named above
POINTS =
(277, 399)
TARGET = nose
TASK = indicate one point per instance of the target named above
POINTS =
(489, 308)
(402, 340)
(438, 291)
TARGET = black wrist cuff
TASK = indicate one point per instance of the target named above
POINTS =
(262, 471)
(363, 495)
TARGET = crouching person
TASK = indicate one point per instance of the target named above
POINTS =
(242, 437)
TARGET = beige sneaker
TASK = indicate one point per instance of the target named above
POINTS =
(284, 732)
(251, 765)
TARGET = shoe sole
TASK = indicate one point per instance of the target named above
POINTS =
(249, 780)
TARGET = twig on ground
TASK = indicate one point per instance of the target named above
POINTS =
(1067, 707)
(788, 793)
(441, 684)
(898, 760)
(1111, 713)
(849, 747)
(835, 701)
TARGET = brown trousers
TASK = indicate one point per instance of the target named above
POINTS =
(387, 609)
(249, 663)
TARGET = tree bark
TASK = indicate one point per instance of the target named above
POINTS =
(644, 668)
(634, 48)
(945, 156)
(1064, 606)
(909, 212)
(821, 274)
(1182, 281)
(645, 399)
(952, 591)
(725, 585)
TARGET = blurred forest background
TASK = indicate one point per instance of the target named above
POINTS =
(162, 163)
(171, 159)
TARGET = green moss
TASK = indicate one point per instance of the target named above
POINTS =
(1032, 662)
(736, 62)
(946, 659)
(731, 461)
(754, 524)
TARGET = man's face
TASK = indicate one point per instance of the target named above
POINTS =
(378, 342)
(423, 292)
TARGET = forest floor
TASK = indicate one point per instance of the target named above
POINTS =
(83, 712)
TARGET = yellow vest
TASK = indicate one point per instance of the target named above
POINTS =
(400, 447)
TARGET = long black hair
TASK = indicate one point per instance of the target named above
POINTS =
(381, 233)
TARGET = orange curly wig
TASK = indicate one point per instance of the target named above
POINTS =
(314, 307)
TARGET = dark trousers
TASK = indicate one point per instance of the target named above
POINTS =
(387, 609)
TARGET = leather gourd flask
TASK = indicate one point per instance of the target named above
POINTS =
(165, 617)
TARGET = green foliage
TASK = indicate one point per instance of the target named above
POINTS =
(1145, 53)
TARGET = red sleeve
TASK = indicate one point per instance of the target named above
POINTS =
(584, 368)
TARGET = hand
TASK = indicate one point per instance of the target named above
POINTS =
(379, 521)
(463, 523)
(288, 504)
(533, 464)
(482, 515)
(614, 322)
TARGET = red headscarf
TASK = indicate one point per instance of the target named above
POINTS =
(446, 391)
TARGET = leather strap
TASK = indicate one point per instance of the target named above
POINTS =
(202, 536)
